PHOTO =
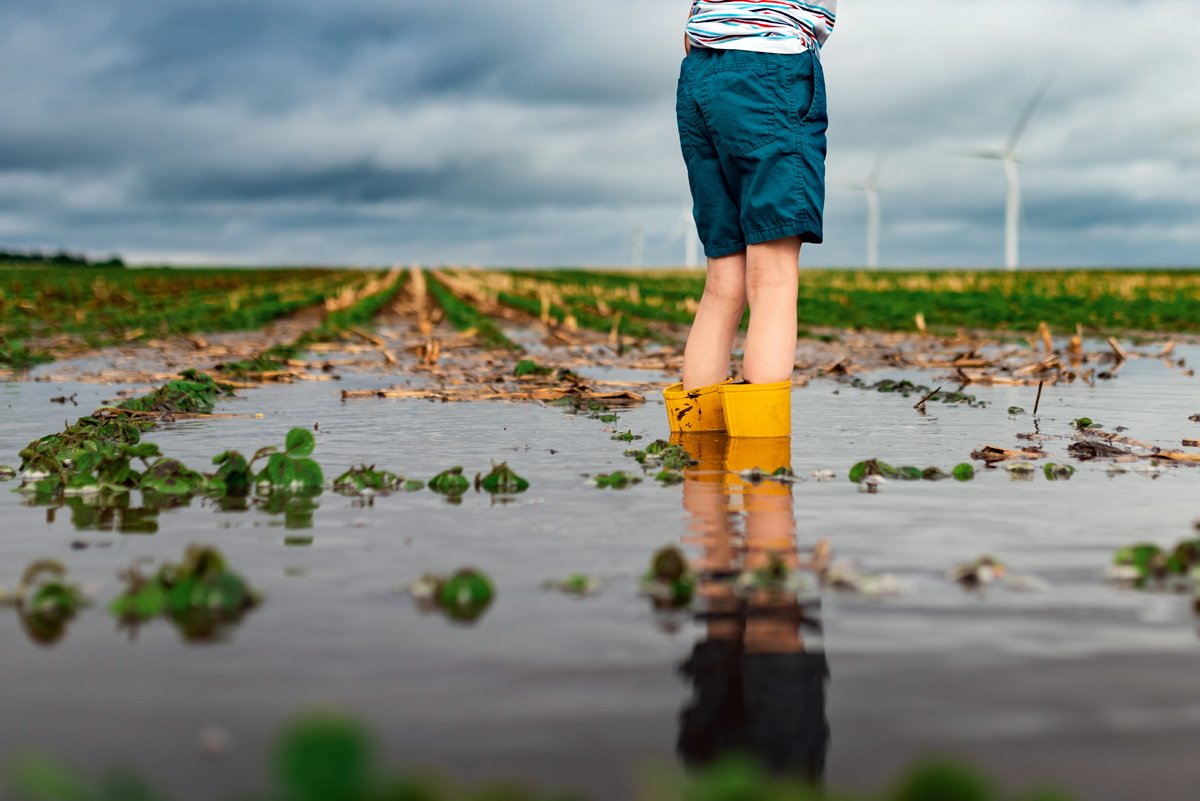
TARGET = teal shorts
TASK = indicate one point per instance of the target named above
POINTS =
(752, 129)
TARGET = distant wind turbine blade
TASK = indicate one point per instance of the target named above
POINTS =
(982, 153)
(1026, 115)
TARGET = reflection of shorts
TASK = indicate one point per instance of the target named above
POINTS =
(752, 129)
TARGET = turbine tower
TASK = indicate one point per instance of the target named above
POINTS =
(1012, 178)
(870, 188)
(686, 229)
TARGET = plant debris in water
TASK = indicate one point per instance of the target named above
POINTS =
(1057, 472)
(616, 480)
(906, 388)
(862, 471)
(450, 482)
(578, 584)
(200, 595)
(669, 582)
(501, 481)
(366, 479)
(1147, 566)
(45, 600)
(463, 596)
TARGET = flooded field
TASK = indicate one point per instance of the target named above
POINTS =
(1059, 676)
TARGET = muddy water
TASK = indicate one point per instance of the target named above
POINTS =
(1080, 683)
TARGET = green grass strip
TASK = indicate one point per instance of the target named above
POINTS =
(465, 317)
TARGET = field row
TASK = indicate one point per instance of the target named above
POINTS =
(45, 308)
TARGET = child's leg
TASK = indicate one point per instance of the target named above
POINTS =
(772, 282)
(710, 342)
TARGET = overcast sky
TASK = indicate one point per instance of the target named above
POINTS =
(523, 132)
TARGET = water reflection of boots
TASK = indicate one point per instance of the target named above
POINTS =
(757, 690)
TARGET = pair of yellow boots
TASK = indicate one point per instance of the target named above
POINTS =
(744, 410)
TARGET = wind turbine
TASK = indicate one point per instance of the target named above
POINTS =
(870, 188)
(1012, 178)
(686, 228)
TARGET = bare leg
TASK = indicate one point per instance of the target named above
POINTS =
(710, 342)
(771, 285)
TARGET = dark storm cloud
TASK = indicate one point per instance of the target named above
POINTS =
(375, 130)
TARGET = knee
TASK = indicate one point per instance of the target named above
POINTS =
(769, 281)
(726, 290)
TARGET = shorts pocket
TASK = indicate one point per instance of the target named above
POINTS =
(741, 107)
(812, 91)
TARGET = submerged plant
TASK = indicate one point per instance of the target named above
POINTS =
(578, 584)
(45, 600)
(669, 581)
(463, 596)
(366, 479)
(502, 481)
(1057, 472)
(450, 482)
(615, 480)
(200, 595)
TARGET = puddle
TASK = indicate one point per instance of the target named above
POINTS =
(1080, 682)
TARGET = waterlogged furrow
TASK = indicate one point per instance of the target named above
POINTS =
(356, 308)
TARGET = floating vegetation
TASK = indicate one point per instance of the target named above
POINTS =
(463, 596)
(1057, 472)
(1015, 411)
(984, 570)
(7, 473)
(329, 756)
(776, 576)
(45, 600)
(877, 468)
(669, 581)
(578, 584)
(846, 576)
(618, 479)
(906, 388)
(1020, 470)
(450, 482)
(626, 436)
(200, 595)
(1147, 566)
(501, 481)
(668, 459)
(365, 480)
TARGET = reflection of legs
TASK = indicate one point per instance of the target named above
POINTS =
(771, 285)
(707, 505)
(706, 357)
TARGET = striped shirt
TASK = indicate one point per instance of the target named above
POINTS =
(766, 26)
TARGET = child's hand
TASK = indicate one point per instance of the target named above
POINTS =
(687, 44)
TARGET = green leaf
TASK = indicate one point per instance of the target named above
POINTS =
(308, 474)
(502, 480)
(324, 758)
(943, 781)
(963, 472)
(466, 595)
(300, 442)
(450, 482)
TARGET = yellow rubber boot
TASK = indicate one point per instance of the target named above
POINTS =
(758, 410)
(697, 409)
